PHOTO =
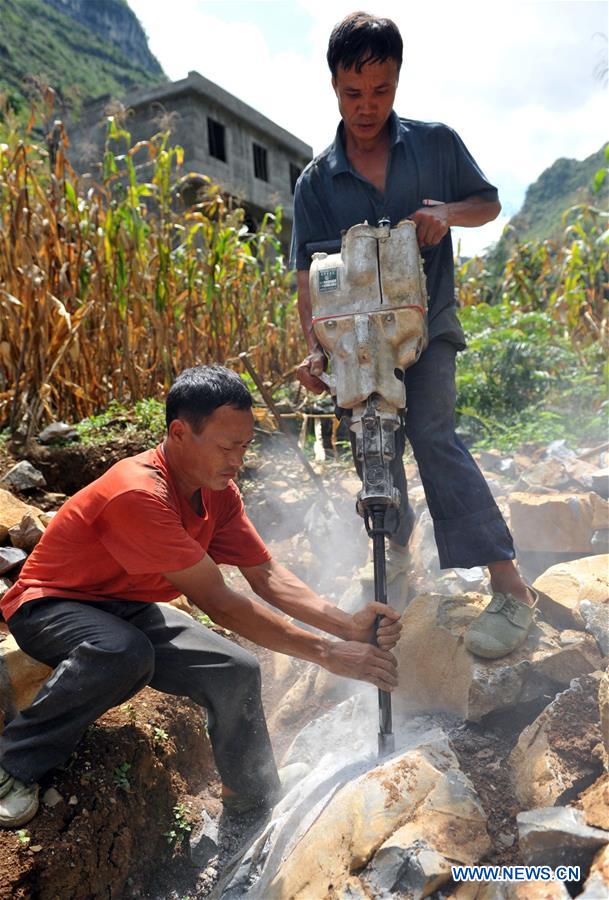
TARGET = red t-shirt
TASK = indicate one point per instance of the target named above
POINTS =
(114, 538)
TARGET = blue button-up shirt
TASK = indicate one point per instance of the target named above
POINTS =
(427, 160)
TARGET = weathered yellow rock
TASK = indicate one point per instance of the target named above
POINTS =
(27, 533)
(437, 674)
(603, 702)
(421, 794)
(526, 890)
(565, 585)
(595, 803)
(597, 882)
(12, 511)
(559, 522)
(315, 688)
(21, 677)
(555, 753)
(183, 604)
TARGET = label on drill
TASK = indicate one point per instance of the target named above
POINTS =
(327, 280)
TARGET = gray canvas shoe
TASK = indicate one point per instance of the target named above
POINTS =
(18, 801)
(397, 564)
(503, 626)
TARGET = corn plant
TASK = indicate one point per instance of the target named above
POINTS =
(108, 288)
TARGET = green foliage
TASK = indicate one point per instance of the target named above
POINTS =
(566, 183)
(131, 712)
(538, 332)
(132, 283)
(40, 43)
(146, 419)
(159, 735)
(180, 826)
(521, 381)
(119, 776)
(204, 619)
(23, 836)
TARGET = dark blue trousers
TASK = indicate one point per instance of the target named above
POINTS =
(468, 527)
(103, 652)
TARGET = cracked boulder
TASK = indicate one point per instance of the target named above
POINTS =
(315, 689)
(526, 890)
(21, 677)
(603, 702)
(399, 826)
(597, 882)
(23, 476)
(437, 673)
(565, 586)
(557, 522)
(559, 753)
(27, 533)
(595, 803)
(558, 836)
(12, 511)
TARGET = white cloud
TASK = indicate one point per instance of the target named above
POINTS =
(515, 80)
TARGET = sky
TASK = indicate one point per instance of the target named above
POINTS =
(519, 81)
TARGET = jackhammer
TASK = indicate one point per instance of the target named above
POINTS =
(369, 306)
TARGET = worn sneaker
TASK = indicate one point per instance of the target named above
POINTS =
(18, 801)
(397, 563)
(503, 626)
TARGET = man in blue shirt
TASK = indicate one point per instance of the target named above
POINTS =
(382, 166)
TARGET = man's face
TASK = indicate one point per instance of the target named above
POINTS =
(365, 99)
(213, 457)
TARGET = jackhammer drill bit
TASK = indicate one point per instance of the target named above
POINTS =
(385, 736)
(376, 447)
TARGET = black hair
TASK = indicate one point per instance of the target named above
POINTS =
(360, 39)
(197, 392)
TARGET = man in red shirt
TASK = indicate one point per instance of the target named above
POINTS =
(91, 602)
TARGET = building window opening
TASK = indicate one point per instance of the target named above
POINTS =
(294, 175)
(216, 137)
(261, 169)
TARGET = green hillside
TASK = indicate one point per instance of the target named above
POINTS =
(565, 183)
(38, 40)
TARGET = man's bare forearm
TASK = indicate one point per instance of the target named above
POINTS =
(247, 617)
(204, 585)
(472, 211)
(282, 589)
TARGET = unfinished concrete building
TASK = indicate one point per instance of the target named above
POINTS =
(253, 159)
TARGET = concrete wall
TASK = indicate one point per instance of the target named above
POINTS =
(188, 103)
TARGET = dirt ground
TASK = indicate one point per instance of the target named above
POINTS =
(99, 841)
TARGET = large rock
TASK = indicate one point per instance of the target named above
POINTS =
(595, 803)
(564, 586)
(21, 677)
(316, 690)
(558, 836)
(437, 673)
(24, 477)
(497, 890)
(597, 882)
(12, 511)
(603, 702)
(560, 522)
(27, 533)
(10, 557)
(396, 826)
(559, 753)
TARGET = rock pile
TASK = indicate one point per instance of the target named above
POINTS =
(551, 695)
(353, 827)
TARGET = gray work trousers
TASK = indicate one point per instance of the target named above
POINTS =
(103, 652)
(468, 526)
